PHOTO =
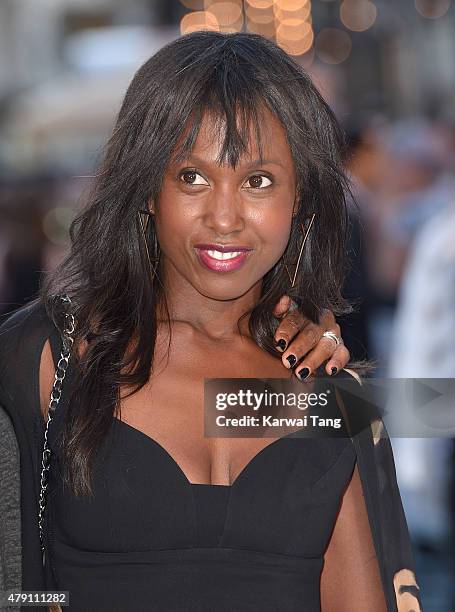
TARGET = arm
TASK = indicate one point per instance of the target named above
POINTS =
(10, 533)
(378, 498)
(350, 580)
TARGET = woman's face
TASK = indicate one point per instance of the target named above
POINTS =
(220, 230)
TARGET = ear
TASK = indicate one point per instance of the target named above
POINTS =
(151, 206)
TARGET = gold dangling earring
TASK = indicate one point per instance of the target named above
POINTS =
(305, 236)
(144, 217)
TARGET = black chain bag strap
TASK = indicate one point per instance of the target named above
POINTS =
(60, 372)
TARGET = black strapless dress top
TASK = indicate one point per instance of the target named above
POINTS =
(150, 540)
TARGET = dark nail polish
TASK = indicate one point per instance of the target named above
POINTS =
(292, 360)
(303, 373)
(334, 370)
(281, 344)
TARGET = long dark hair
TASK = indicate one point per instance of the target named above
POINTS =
(106, 271)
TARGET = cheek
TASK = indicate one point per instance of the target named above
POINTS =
(275, 232)
(172, 229)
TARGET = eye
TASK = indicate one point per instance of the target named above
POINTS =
(257, 181)
(189, 177)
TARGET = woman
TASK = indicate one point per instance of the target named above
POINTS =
(224, 144)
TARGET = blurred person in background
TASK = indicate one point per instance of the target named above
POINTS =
(405, 191)
(364, 162)
(427, 304)
(423, 334)
(416, 183)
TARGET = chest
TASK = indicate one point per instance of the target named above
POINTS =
(170, 407)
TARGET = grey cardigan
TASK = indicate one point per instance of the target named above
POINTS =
(10, 514)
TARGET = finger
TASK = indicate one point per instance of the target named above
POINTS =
(314, 358)
(306, 340)
(292, 323)
(282, 306)
(341, 356)
(327, 320)
(338, 361)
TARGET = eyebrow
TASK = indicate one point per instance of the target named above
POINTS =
(256, 162)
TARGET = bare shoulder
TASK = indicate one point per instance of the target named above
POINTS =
(46, 377)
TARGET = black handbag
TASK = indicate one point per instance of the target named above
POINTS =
(60, 372)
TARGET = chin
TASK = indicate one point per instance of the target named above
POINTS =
(225, 291)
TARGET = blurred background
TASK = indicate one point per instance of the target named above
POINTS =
(387, 67)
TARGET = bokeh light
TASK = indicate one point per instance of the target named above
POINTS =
(295, 40)
(56, 223)
(291, 5)
(307, 59)
(432, 9)
(259, 4)
(303, 12)
(264, 29)
(199, 20)
(333, 46)
(195, 5)
(260, 16)
(358, 15)
(294, 32)
(228, 14)
(294, 29)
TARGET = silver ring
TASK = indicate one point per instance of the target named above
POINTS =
(332, 335)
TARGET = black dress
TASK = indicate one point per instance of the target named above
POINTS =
(150, 540)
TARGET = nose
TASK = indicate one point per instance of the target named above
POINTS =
(224, 213)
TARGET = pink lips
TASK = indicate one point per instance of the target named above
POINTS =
(225, 265)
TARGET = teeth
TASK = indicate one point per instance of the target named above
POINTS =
(223, 256)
